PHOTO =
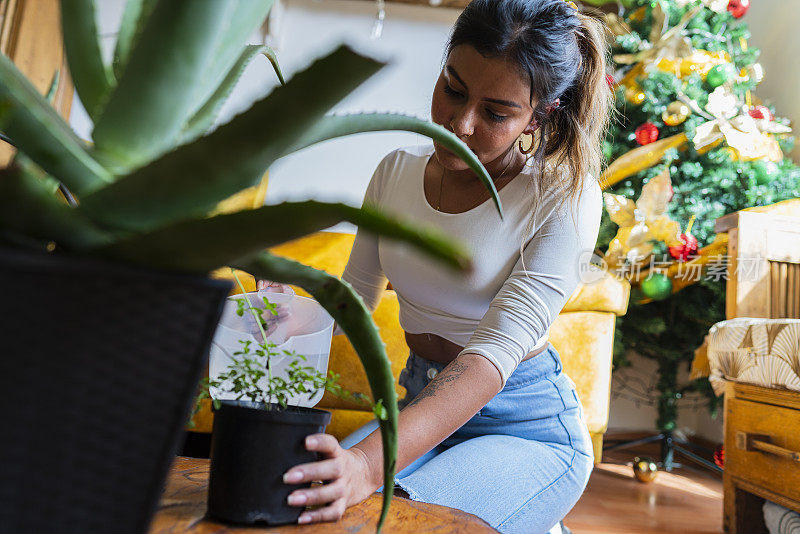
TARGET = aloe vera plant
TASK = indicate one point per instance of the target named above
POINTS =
(144, 189)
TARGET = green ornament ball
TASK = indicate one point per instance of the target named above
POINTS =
(718, 75)
(657, 286)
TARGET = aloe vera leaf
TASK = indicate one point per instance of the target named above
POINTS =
(28, 166)
(50, 97)
(246, 17)
(28, 206)
(192, 179)
(348, 310)
(206, 115)
(155, 95)
(204, 244)
(40, 133)
(133, 19)
(51, 91)
(93, 79)
(341, 125)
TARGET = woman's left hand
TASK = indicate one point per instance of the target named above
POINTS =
(346, 477)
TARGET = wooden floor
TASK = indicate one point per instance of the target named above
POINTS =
(686, 501)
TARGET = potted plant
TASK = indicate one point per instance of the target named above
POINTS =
(107, 307)
(258, 435)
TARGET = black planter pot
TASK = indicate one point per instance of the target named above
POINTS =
(251, 449)
(100, 364)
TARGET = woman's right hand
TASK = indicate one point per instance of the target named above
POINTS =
(273, 287)
(281, 311)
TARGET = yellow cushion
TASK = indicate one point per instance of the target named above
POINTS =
(345, 362)
(246, 199)
(246, 279)
(609, 294)
(585, 341)
(327, 251)
(345, 422)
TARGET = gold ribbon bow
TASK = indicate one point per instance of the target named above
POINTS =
(664, 45)
(749, 137)
(641, 221)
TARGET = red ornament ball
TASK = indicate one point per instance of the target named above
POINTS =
(685, 251)
(738, 8)
(647, 133)
(760, 112)
(610, 80)
(719, 456)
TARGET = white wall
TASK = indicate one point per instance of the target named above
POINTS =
(412, 42)
(629, 415)
(773, 24)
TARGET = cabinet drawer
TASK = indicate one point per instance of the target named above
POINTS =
(748, 426)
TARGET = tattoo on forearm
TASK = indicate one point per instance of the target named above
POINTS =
(452, 372)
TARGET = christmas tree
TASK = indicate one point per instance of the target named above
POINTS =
(691, 143)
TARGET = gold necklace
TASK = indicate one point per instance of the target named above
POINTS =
(441, 182)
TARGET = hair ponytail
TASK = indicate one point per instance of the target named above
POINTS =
(578, 125)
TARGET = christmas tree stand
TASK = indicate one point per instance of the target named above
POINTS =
(670, 444)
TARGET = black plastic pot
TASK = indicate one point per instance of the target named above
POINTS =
(251, 448)
(99, 364)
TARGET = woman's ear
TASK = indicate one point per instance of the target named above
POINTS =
(531, 127)
(534, 124)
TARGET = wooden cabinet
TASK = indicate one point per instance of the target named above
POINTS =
(762, 454)
(762, 425)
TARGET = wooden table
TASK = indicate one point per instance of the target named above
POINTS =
(183, 509)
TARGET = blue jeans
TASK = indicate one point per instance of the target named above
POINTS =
(520, 463)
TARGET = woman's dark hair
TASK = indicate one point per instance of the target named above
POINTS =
(563, 53)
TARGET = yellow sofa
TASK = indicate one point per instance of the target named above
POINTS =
(583, 334)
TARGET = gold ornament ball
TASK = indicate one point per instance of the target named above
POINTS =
(644, 469)
(676, 113)
(635, 95)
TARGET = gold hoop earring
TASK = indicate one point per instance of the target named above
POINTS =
(522, 145)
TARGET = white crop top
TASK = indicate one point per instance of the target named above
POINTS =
(502, 309)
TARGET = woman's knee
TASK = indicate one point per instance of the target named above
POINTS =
(550, 505)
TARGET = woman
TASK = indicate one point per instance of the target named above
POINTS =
(490, 424)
